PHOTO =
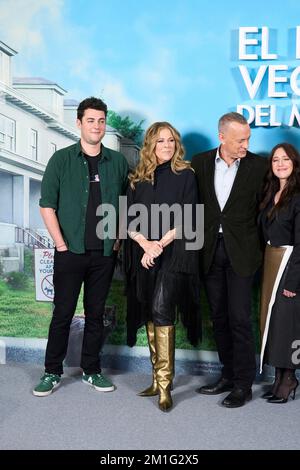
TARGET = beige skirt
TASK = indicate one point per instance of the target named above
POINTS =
(275, 263)
(272, 261)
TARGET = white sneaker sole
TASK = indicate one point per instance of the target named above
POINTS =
(45, 394)
(99, 389)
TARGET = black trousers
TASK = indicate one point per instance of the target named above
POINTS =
(71, 270)
(164, 299)
(169, 289)
(229, 297)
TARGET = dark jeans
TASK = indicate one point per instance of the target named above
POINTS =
(71, 270)
(229, 296)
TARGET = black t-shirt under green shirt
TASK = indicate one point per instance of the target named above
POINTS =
(92, 242)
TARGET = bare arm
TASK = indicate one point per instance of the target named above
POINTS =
(151, 248)
(148, 260)
(51, 222)
(168, 238)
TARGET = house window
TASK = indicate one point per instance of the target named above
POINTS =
(11, 134)
(2, 130)
(4, 68)
(33, 144)
(55, 103)
(53, 148)
(1, 66)
(7, 133)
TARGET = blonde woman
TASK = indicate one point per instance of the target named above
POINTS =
(162, 274)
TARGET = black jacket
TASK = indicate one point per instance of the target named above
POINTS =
(178, 266)
(238, 217)
(284, 229)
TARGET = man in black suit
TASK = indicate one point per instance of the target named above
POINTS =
(230, 180)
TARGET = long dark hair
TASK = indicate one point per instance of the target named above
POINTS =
(272, 182)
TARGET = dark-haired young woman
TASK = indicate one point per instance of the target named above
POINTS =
(280, 299)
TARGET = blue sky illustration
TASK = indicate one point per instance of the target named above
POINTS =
(154, 60)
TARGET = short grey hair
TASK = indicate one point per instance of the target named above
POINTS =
(231, 117)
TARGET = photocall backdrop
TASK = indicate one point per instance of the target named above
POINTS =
(185, 62)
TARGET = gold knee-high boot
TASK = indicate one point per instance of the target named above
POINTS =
(165, 353)
(153, 389)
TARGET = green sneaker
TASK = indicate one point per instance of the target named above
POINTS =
(48, 383)
(99, 382)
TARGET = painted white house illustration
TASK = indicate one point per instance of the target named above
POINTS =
(35, 121)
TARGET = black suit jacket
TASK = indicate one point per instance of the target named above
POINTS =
(238, 217)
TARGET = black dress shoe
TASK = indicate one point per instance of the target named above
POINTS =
(268, 394)
(221, 386)
(238, 397)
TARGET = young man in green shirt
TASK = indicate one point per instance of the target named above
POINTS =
(77, 180)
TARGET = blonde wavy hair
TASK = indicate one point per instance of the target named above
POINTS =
(148, 161)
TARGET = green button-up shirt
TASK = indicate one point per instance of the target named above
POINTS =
(65, 188)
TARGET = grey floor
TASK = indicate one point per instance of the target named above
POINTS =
(76, 416)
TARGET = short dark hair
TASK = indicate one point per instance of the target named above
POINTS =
(231, 117)
(91, 103)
